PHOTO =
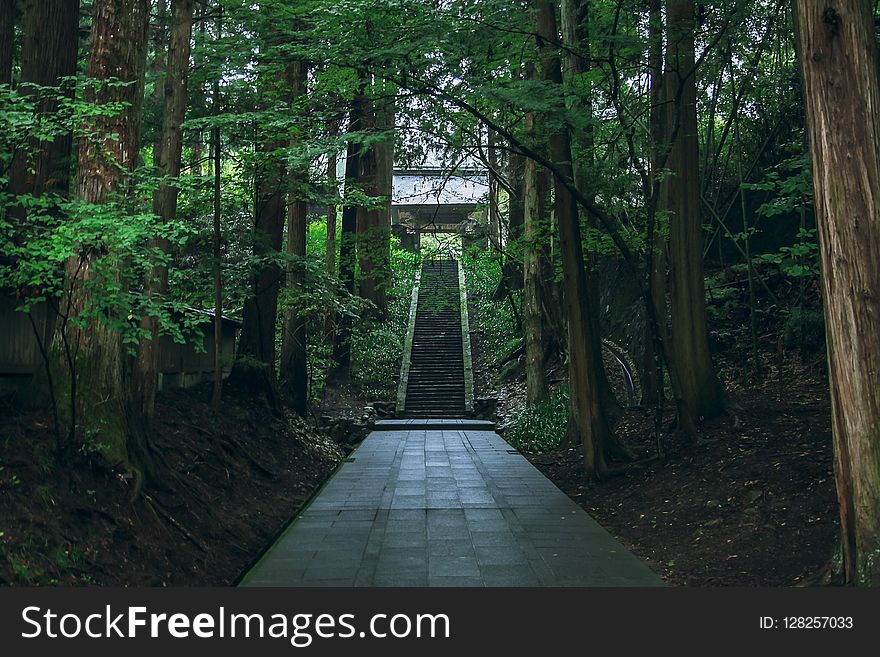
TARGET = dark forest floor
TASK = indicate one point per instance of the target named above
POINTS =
(234, 483)
(754, 506)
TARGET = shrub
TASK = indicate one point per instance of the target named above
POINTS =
(541, 428)
(495, 319)
(804, 329)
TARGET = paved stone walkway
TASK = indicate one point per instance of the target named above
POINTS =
(448, 503)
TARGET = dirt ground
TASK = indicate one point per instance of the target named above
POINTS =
(231, 485)
(754, 505)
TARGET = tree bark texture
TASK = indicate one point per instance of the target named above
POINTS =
(294, 363)
(385, 122)
(659, 114)
(49, 52)
(332, 191)
(7, 40)
(840, 74)
(577, 62)
(117, 49)
(145, 375)
(587, 422)
(257, 341)
(374, 221)
(348, 236)
(516, 219)
(217, 256)
(535, 192)
(701, 390)
(348, 239)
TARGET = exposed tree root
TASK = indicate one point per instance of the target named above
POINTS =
(160, 511)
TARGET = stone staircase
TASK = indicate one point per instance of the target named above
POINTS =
(435, 386)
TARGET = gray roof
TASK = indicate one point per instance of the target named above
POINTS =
(435, 187)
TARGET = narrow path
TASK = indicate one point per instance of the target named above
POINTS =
(436, 499)
(444, 503)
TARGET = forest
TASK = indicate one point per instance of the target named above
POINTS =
(664, 213)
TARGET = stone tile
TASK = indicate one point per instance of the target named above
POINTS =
(400, 580)
(484, 515)
(500, 555)
(408, 515)
(405, 540)
(403, 554)
(400, 567)
(453, 567)
(446, 518)
(455, 581)
(444, 508)
(405, 527)
(330, 572)
(493, 538)
(446, 547)
(408, 502)
(338, 557)
(322, 583)
(500, 575)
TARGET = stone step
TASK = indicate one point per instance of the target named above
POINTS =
(436, 387)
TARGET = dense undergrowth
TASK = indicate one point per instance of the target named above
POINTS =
(376, 343)
(789, 334)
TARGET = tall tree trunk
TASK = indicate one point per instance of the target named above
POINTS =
(117, 49)
(49, 52)
(513, 267)
(216, 242)
(332, 242)
(7, 40)
(216, 265)
(535, 192)
(575, 25)
(701, 391)
(840, 73)
(535, 196)
(255, 363)
(587, 422)
(332, 192)
(495, 235)
(348, 237)
(42, 168)
(145, 374)
(197, 97)
(256, 347)
(652, 374)
(158, 69)
(385, 122)
(294, 363)
(374, 221)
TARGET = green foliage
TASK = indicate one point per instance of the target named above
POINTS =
(722, 296)
(790, 185)
(496, 320)
(377, 346)
(804, 329)
(540, 428)
(375, 360)
(64, 232)
(801, 260)
(376, 343)
(450, 67)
